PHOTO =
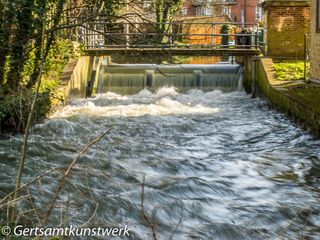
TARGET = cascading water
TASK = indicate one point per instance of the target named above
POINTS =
(220, 163)
(132, 78)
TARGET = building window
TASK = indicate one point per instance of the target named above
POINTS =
(227, 11)
(146, 3)
(203, 11)
(318, 16)
(147, 6)
(184, 11)
(259, 13)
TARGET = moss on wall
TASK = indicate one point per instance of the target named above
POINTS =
(299, 102)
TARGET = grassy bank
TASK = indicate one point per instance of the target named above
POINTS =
(290, 70)
(15, 107)
(298, 99)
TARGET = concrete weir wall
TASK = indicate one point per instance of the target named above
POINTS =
(78, 76)
(278, 96)
(248, 63)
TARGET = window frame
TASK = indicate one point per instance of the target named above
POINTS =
(258, 13)
(184, 11)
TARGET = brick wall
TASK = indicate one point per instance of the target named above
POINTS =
(315, 44)
(250, 6)
(286, 24)
(190, 8)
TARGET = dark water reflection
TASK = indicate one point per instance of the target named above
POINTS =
(223, 163)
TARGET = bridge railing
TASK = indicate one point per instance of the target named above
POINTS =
(100, 35)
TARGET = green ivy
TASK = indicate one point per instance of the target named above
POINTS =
(290, 70)
(14, 108)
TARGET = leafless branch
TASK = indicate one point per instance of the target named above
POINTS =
(145, 217)
(67, 172)
(27, 184)
(176, 228)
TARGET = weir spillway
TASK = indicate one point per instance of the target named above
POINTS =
(132, 78)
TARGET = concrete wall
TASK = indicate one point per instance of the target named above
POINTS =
(247, 63)
(286, 24)
(314, 44)
(77, 81)
(300, 113)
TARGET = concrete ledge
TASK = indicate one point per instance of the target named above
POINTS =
(285, 3)
(282, 97)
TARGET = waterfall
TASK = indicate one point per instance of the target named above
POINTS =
(131, 78)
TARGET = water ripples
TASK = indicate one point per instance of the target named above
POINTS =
(223, 163)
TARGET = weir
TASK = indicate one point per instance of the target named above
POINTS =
(132, 78)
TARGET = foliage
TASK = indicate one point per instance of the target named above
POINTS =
(225, 28)
(15, 108)
(287, 70)
(164, 10)
(22, 23)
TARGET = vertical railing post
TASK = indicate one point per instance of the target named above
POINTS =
(305, 57)
(258, 41)
(170, 34)
(96, 36)
(212, 32)
(126, 31)
(254, 66)
(86, 40)
(214, 39)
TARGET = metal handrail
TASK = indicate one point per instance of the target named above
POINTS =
(170, 46)
(176, 23)
(94, 37)
(168, 34)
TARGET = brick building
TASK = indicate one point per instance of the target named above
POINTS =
(286, 23)
(214, 8)
(315, 40)
(247, 11)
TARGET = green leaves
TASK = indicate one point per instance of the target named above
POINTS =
(164, 10)
(290, 70)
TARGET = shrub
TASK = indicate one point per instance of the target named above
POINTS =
(15, 109)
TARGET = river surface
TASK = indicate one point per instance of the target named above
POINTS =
(222, 164)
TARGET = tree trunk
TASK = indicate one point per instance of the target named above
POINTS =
(6, 21)
(20, 47)
(50, 41)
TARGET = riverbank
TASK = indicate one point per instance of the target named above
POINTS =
(298, 99)
(15, 106)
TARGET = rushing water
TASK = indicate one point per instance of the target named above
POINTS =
(131, 78)
(223, 164)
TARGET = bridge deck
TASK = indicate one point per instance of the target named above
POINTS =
(176, 51)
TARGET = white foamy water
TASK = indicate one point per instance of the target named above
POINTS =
(222, 162)
(165, 101)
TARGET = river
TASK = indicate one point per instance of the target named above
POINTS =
(217, 165)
